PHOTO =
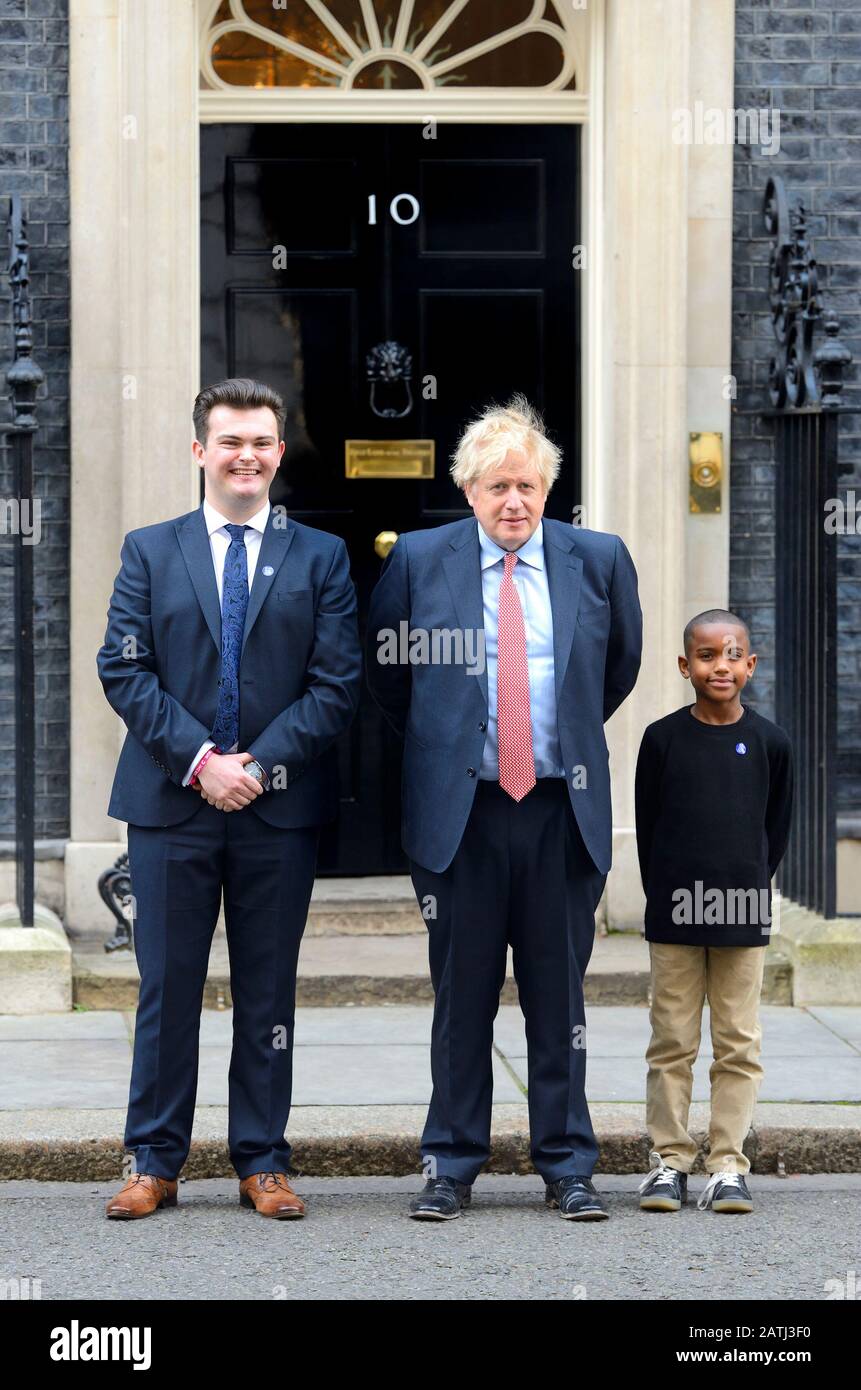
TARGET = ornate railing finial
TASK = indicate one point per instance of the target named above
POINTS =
(23, 376)
(798, 375)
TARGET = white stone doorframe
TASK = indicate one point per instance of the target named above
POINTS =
(655, 331)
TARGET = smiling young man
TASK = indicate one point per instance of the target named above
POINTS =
(232, 656)
(506, 791)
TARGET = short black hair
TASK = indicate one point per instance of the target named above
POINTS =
(241, 392)
(714, 615)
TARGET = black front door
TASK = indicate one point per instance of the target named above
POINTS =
(320, 244)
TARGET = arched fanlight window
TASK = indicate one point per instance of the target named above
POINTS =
(403, 45)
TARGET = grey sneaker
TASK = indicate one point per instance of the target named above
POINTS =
(725, 1192)
(664, 1189)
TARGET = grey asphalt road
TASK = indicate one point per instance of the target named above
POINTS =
(803, 1241)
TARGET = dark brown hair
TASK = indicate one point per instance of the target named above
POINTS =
(240, 392)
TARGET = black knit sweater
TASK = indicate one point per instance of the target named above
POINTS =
(713, 807)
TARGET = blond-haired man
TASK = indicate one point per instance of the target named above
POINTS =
(506, 789)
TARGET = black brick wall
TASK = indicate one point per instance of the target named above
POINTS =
(34, 63)
(804, 56)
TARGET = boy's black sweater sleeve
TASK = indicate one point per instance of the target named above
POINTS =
(646, 783)
(778, 813)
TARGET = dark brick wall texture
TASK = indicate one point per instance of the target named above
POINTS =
(34, 63)
(805, 58)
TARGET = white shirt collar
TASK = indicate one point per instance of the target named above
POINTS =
(532, 552)
(215, 521)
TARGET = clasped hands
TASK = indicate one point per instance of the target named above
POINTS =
(224, 784)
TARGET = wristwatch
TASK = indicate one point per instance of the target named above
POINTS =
(254, 769)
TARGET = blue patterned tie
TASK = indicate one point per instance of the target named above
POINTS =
(234, 602)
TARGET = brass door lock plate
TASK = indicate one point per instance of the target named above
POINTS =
(705, 459)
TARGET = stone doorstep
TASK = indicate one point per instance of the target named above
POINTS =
(374, 906)
(339, 970)
(378, 1141)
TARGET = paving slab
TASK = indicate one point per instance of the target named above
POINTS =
(380, 1055)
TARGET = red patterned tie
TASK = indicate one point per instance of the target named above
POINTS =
(514, 720)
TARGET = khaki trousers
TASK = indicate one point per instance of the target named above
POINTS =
(683, 977)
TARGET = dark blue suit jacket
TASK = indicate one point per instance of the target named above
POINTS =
(300, 672)
(432, 579)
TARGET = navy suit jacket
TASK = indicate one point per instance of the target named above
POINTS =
(432, 579)
(299, 677)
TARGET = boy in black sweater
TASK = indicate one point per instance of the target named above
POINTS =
(713, 806)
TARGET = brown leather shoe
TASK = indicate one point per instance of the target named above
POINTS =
(271, 1195)
(143, 1194)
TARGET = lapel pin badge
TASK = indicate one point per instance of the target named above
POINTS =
(741, 748)
(267, 570)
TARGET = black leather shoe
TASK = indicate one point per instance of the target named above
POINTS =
(663, 1189)
(576, 1199)
(441, 1200)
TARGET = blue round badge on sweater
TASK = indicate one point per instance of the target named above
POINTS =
(741, 748)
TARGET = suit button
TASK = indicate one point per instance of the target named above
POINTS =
(482, 727)
(470, 772)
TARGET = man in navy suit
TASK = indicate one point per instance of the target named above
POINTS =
(497, 647)
(232, 656)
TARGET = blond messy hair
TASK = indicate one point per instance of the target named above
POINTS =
(516, 426)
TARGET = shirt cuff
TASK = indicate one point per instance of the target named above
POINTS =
(196, 759)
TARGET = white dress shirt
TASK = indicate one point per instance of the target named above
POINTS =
(219, 544)
(530, 581)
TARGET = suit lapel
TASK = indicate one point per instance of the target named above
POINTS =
(564, 578)
(276, 541)
(463, 572)
(194, 542)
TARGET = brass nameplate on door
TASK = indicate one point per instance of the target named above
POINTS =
(389, 458)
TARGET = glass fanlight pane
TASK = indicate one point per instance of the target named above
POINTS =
(533, 60)
(336, 29)
(246, 61)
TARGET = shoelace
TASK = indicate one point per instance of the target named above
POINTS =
(731, 1179)
(278, 1180)
(566, 1184)
(660, 1172)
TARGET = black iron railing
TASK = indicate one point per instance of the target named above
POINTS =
(805, 382)
(23, 378)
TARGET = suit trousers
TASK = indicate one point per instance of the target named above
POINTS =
(178, 875)
(683, 977)
(521, 875)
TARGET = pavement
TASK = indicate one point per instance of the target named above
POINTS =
(362, 1084)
